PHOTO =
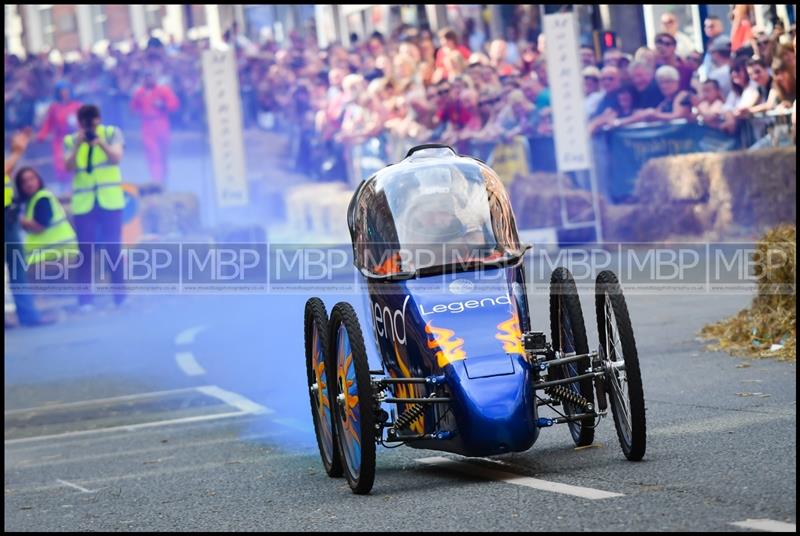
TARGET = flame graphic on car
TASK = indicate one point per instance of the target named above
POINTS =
(450, 349)
(407, 390)
(511, 335)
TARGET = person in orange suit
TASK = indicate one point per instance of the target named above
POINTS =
(61, 119)
(153, 103)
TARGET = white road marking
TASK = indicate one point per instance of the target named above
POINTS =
(511, 478)
(187, 335)
(46, 461)
(74, 442)
(260, 460)
(766, 525)
(127, 427)
(188, 364)
(238, 401)
(94, 401)
(75, 486)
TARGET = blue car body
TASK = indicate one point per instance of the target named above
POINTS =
(469, 331)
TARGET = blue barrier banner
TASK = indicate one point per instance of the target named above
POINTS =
(628, 149)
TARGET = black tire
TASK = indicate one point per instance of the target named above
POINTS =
(568, 335)
(624, 387)
(355, 424)
(318, 369)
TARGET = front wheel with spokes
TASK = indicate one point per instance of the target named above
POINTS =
(623, 377)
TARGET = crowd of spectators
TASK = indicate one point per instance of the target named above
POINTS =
(388, 92)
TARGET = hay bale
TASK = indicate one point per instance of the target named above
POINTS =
(771, 318)
(733, 192)
(676, 178)
(537, 202)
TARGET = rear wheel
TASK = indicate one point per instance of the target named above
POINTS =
(624, 380)
(568, 334)
(354, 408)
(320, 373)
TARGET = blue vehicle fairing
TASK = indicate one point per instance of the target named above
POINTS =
(466, 326)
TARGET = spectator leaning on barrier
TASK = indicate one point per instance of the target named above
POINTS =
(49, 235)
(645, 90)
(758, 72)
(591, 89)
(94, 152)
(676, 104)
(709, 108)
(784, 87)
(609, 82)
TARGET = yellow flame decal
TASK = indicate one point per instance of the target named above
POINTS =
(511, 336)
(408, 391)
(450, 349)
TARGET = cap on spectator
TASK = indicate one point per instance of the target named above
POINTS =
(591, 72)
(720, 44)
(667, 72)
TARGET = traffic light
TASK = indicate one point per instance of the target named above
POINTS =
(608, 40)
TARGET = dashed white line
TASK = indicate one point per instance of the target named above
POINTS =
(188, 364)
(511, 478)
(96, 401)
(187, 335)
(766, 525)
(236, 400)
(75, 486)
(127, 427)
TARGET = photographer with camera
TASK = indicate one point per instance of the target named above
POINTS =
(94, 154)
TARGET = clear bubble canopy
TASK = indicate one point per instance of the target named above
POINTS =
(434, 209)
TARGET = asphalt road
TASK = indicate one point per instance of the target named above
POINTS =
(190, 413)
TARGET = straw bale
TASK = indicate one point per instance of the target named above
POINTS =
(771, 318)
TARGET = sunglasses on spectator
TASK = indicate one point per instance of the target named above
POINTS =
(665, 42)
(608, 78)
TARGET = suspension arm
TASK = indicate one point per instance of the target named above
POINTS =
(573, 379)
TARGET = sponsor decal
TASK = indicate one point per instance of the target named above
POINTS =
(461, 306)
(461, 286)
(391, 325)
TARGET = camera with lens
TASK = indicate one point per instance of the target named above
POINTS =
(91, 135)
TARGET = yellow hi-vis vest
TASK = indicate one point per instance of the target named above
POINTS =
(9, 192)
(104, 183)
(57, 240)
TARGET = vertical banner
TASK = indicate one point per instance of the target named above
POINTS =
(566, 92)
(224, 111)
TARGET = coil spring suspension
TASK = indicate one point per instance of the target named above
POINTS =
(565, 394)
(409, 416)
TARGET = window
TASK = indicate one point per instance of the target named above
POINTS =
(98, 22)
(48, 28)
(153, 16)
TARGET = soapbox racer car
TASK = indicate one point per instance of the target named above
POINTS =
(461, 370)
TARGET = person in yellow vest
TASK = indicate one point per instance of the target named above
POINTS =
(27, 314)
(94, 153)
(50, 236)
